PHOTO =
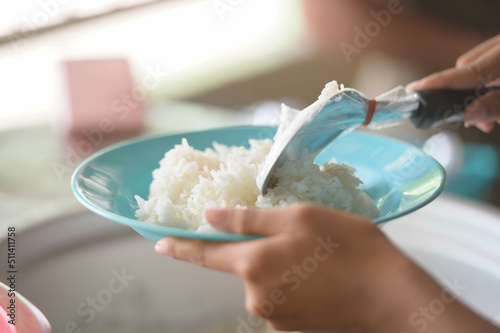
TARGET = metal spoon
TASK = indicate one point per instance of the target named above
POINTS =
(309, 131)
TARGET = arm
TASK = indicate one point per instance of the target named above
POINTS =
(321, 269)
(478, 67)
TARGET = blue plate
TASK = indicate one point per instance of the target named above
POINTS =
(400, 178)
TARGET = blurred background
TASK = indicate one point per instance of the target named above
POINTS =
(78, 75)
(193, 64)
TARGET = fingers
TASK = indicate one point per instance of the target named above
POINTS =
(484, 111)
(483, 70)
(441, 80)
(466, 77)
(251, 221)
(478, 67)
(219, 255)
(215, 255)
(471, 56)
(223, 256)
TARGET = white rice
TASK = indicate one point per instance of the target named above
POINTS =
(190, 181)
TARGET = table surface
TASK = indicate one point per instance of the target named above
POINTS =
(36, 163)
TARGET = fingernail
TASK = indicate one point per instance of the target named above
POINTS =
(475, 115)
(161, 246)
(411, 86)
(216, 216)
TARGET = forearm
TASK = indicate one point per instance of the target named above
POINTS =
(358, 281)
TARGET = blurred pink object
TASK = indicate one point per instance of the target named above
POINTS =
(102, 100)
(18, 315)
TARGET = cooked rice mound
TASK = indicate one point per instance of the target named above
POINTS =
(189, 181)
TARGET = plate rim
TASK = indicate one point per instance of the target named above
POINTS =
(168, 231)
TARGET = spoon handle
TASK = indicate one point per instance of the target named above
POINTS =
(437, 107)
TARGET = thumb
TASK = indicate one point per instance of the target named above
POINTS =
(251, 221)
